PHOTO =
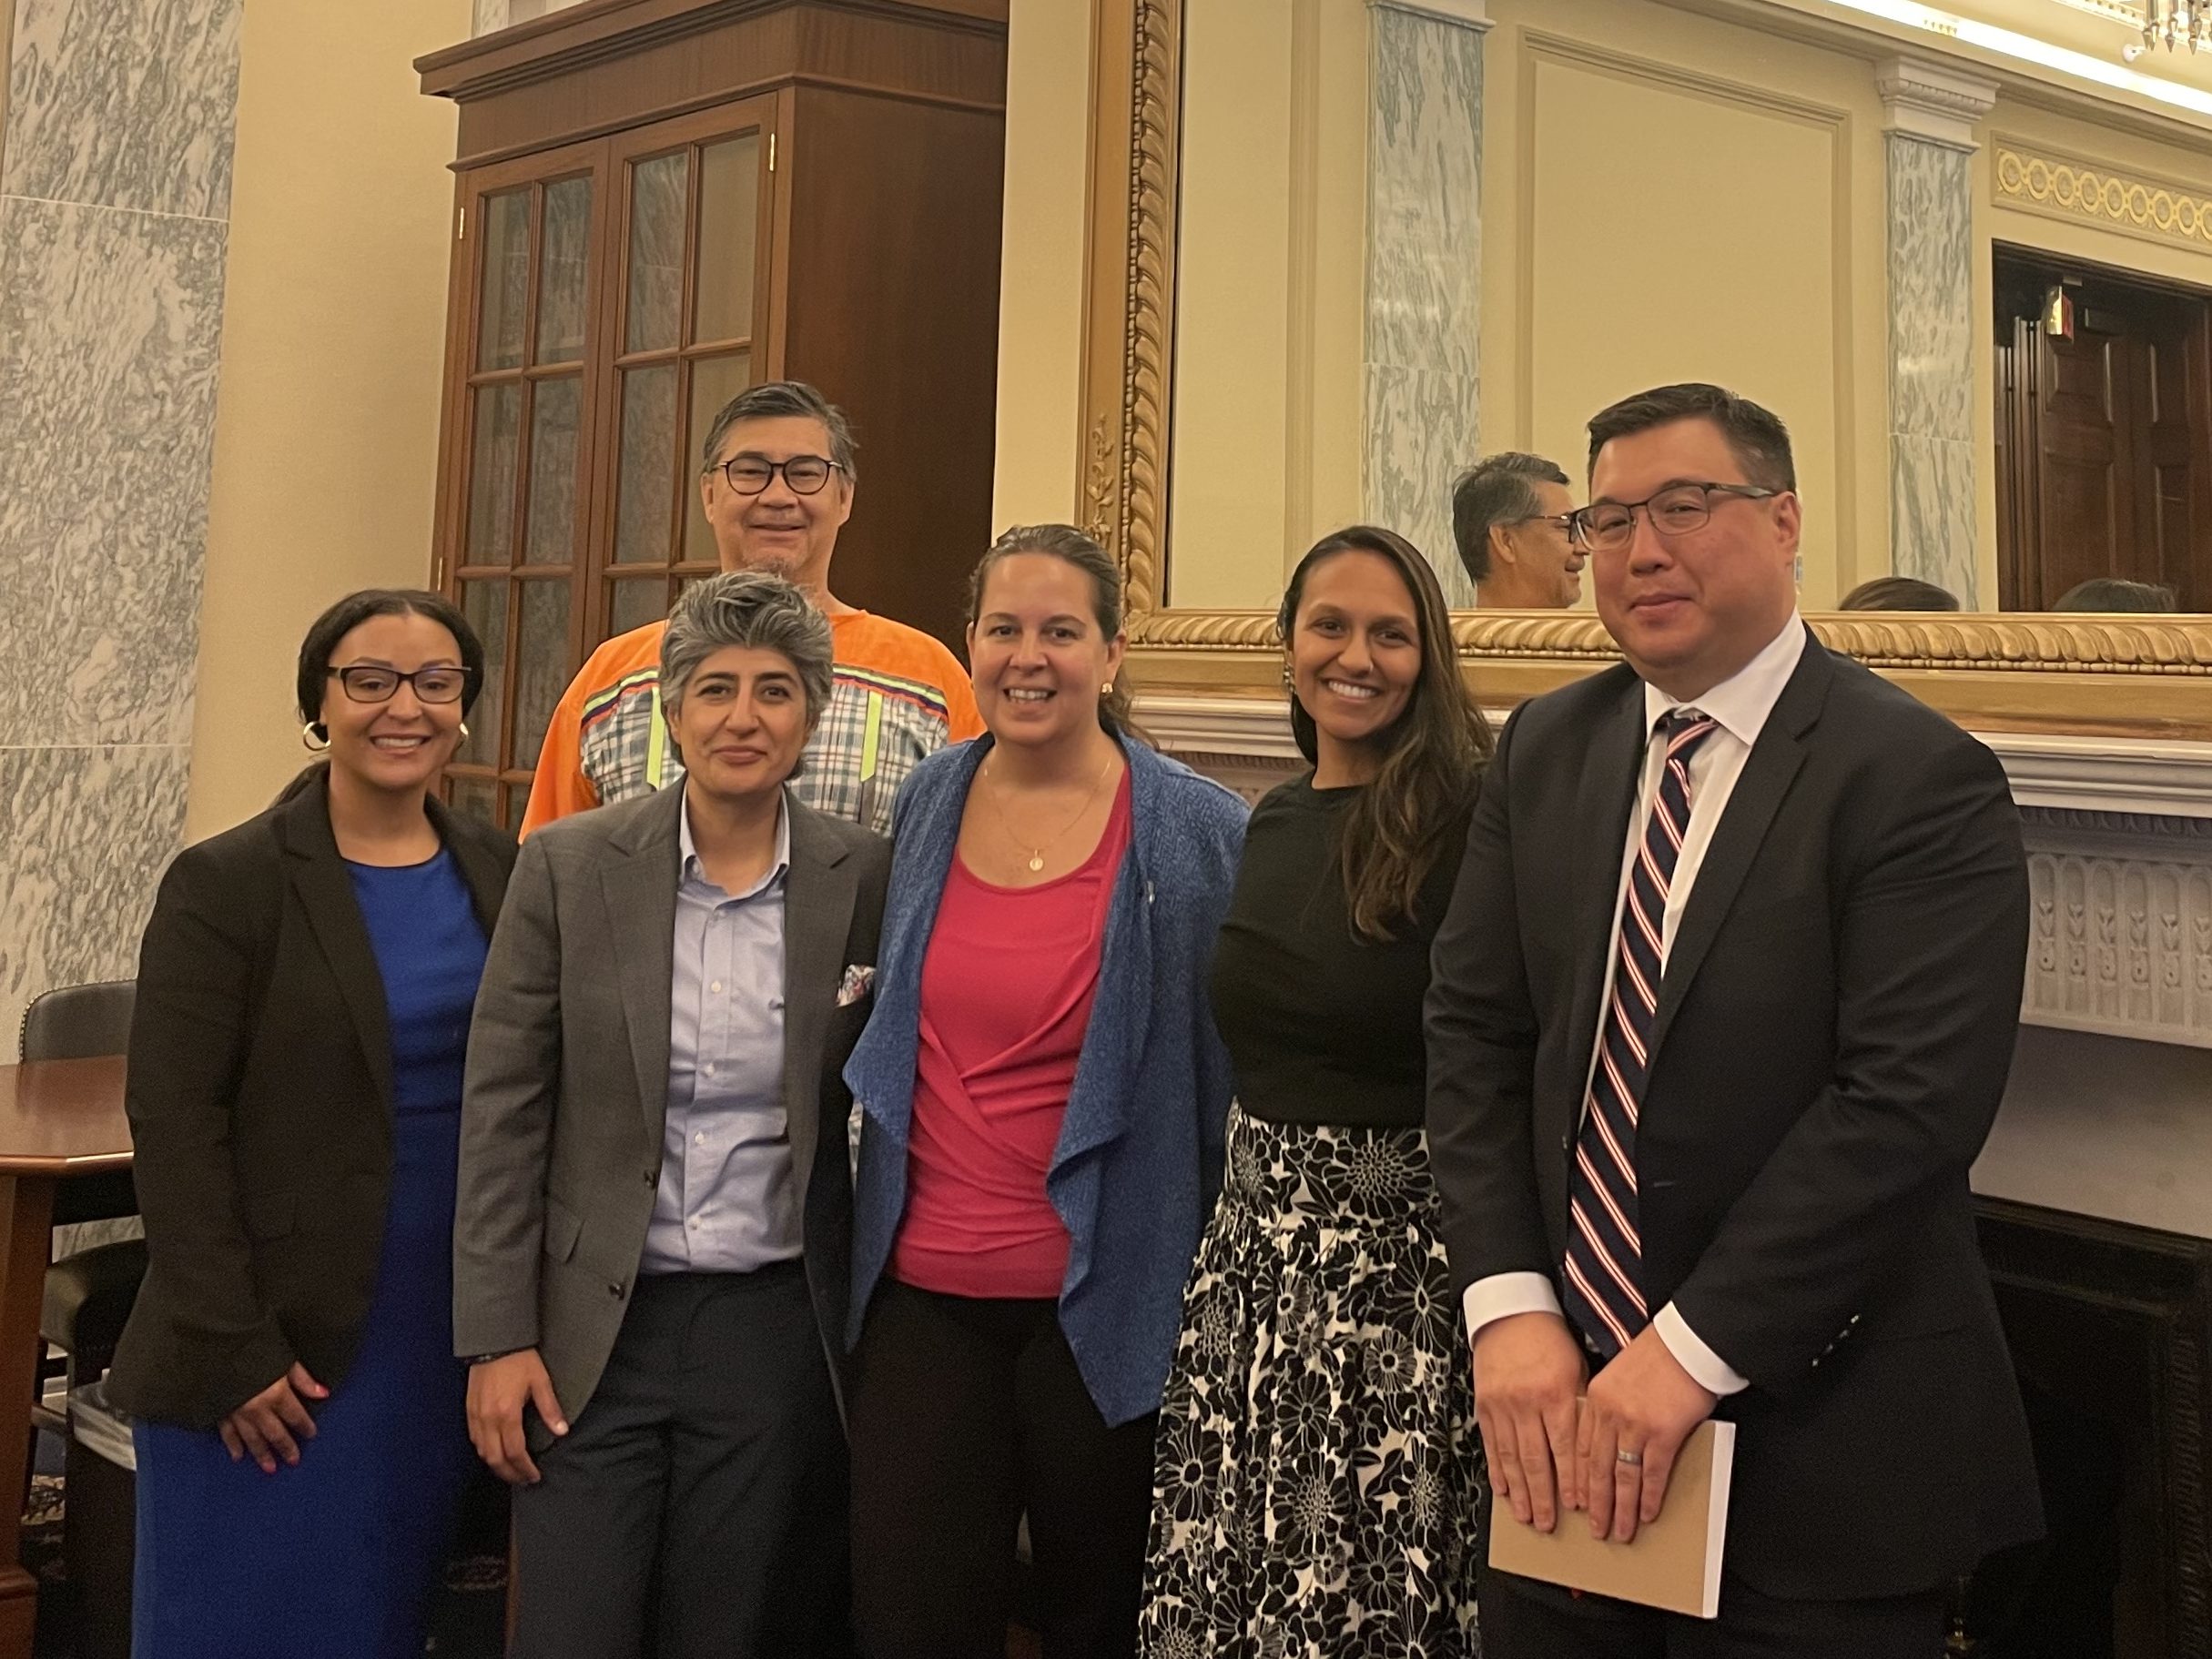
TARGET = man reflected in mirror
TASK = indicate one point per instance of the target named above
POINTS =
(1512, 517)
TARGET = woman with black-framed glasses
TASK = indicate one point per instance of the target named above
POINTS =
(304, 994)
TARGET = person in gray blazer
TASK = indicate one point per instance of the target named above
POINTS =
(652, 1243)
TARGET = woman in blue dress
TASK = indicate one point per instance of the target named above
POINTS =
(304, 993)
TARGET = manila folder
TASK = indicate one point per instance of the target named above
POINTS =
(1673, 1563)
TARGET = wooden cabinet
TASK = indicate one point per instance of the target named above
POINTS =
(659, 202)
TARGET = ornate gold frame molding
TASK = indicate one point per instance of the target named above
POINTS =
(2142, 677)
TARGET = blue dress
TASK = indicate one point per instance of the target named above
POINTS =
(337, 1556)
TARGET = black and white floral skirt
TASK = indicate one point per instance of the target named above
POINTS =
(1319, 1488)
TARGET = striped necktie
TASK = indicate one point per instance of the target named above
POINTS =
(1605, 1281)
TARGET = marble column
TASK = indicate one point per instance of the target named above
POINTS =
(1424, 288)
(115, 194)
(1929, 116)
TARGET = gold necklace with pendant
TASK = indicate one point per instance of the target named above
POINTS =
(1036, 854)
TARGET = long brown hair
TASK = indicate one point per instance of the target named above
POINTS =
(1393, 831)
(1071, 546)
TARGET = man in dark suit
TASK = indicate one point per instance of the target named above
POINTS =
(1720, 1019)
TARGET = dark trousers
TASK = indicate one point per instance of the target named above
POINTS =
(966, 1414)
(696, 1509)
(1522, 1619)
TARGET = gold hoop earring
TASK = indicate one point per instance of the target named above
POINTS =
(464, 728)
(314, 738)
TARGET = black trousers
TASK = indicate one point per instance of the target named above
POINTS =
(965, 1415)
(1522, 1619)
(696, 1509)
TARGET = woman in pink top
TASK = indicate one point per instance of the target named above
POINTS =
(1044, 1100)
(1007, 989)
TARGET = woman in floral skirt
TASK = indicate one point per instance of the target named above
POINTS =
(1318, 1486)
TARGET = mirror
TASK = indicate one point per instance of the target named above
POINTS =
(1401, 242)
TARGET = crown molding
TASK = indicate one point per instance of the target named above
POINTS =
(1248, 728)
(1932, 102)
(2136, 780)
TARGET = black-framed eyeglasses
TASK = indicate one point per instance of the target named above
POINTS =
(367, 683)
(751, 474)
(1606, 527)
(1564, 522)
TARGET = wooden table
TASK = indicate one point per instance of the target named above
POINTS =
(58, 1119)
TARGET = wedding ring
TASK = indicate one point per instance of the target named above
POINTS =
(1634, 1460)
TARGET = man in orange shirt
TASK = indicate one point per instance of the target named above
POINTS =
(776, 482)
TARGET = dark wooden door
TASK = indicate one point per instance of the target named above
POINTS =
(2175, 365)
(2105, 439)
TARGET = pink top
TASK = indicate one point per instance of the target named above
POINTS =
(1006, 994)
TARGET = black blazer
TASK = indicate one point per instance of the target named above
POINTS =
(1832, 1037)
(259, 1097)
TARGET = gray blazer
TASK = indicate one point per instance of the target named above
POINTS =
(567, 1088)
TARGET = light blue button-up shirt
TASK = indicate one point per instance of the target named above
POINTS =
(728, 1201)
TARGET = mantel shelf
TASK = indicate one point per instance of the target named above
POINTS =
(2129, 777)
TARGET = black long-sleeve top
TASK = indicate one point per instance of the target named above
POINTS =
(1323, 1027)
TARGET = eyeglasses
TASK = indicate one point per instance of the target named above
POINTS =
(1564, 522)
(366, 683)
(1676, 511)
(750, 474)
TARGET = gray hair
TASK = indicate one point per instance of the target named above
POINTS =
(1498, 491)
(778, 400)
(748, 609)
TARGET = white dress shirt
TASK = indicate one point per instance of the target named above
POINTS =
(1739, 705)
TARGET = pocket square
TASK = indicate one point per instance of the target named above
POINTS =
(855, 984)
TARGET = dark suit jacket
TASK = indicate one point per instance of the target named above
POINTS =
(1834, 1027)
(567, 1091)
(261, 1108)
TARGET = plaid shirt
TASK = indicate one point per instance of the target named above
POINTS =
(878, 728)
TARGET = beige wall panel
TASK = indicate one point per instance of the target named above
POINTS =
(327, 425)
(1233, 276)
(1653, 288)
(1041, 281)
(1269, 275)
(1591, 106)
(1333, 331)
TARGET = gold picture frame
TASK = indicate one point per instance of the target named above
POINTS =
(2135, 677)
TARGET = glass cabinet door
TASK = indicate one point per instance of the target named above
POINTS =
(516, 537)
(689, 279)
(608, 299)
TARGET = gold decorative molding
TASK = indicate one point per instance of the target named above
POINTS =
(2144, 677)
(1128, 331)
(2041, 181)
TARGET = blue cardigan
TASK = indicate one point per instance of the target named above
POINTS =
(1140, 1150)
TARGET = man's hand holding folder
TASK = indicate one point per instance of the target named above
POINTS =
(1612, 1457)
(1612, 1451)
